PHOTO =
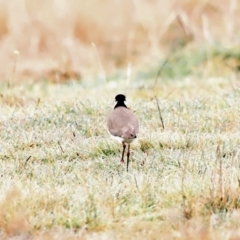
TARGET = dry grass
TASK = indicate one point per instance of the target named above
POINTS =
(59, 170)
(61, 177)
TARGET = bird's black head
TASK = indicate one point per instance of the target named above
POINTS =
(120, 99)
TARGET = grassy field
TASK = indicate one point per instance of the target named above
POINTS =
(61, 176)
(62, 64)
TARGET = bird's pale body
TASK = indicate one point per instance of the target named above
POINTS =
(123, 124)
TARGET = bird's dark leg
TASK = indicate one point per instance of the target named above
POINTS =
(124, 146)
(128, 155)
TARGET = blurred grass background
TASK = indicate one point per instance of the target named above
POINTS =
(62, 40)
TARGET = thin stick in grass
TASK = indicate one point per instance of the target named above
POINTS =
(27, 161)
(159, 111)
(154, 93)
(59, 144)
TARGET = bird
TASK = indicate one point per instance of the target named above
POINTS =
(123, 125)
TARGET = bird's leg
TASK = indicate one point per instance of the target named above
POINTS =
(124, 146)
(128, 155)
